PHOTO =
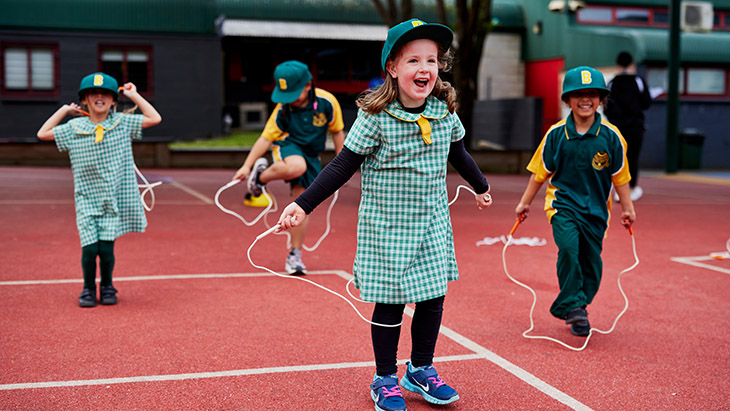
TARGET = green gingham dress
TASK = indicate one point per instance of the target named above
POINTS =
(106, 195)
(405, 246)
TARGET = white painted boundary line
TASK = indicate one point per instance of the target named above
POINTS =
(214, 374)
(479, 353)
(694, 261)
(157, 277)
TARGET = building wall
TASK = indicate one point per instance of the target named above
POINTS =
(501, 70)
(186, 77)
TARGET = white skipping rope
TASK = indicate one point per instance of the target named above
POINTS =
(274, 228)
(147, 188)
(273, 207)
(534, 296)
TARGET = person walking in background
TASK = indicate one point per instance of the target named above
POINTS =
(405, 134)
(108, 204)
(625, 109)
(580, 157)
(297, 129)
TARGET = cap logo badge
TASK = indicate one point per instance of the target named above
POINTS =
(585, 77)
(98, 80)
(417, 23)
(282, 84)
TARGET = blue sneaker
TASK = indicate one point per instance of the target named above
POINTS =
(386, 394)
(426, 382)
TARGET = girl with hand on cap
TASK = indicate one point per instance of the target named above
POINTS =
(405, 134)
(106, 196)
(297, 131)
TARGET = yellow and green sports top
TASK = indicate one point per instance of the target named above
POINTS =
(307, 126)
(580, 168)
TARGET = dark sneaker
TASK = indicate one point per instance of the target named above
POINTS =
(575, 315)
(426, 382)
(253, 186)
(386, 394)
(87, 298)
(294, 264)
(108, 295)
(580, 328)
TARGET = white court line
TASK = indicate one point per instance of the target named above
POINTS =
(214, 374)
(694, 261)
(479, 353)
(194, 193)
(159, 277)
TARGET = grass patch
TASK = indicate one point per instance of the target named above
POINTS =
(237, 139)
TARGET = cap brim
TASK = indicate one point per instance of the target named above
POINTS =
(285, 97)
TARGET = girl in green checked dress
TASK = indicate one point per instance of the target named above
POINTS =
(406, 132)
(107, 199)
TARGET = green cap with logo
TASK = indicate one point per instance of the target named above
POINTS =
(100, 81)
(414, 29)
(584, 77)
(290, 78)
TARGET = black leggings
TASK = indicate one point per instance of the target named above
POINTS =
(105, 251)
(424, 333)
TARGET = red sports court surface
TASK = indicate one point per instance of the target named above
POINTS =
(198, 327)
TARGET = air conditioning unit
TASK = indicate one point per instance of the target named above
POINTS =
(696, 16)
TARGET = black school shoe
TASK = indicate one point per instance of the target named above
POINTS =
(580, 328)
(108, 295)
(575, 315)
(87, 298)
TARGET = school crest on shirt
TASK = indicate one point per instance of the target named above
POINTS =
(600, 161)
(319, 119)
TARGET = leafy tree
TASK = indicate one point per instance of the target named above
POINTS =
(471, 26)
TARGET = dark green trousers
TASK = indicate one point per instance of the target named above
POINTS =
(580, 266)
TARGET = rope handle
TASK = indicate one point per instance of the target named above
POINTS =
(521, 218)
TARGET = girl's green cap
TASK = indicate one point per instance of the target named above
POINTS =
(99, 80)
(414, 29)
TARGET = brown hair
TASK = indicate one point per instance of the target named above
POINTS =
(374, 100)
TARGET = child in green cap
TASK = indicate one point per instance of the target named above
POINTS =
(580, 157)
(405, 134)
(107, 199)
(296, 131)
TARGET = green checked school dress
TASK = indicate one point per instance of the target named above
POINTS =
(405, 246)
(107, 199)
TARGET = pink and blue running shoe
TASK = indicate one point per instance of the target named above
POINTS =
(426, 382)
(386, 394)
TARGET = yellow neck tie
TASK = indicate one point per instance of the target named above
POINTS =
(99, 130)
(425, 129)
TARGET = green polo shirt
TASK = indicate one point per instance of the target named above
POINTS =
(306, 127)
(581, 168)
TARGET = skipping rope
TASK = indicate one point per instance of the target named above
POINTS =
(534, 296)
(268, 210)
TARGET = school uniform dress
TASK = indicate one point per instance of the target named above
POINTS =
(405, 246)
(580, 170)
(106, 195)
(303, 131)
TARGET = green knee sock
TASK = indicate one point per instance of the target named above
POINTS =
(88, 264)
(106, 261)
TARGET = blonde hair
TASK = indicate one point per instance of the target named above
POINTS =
(374, 100)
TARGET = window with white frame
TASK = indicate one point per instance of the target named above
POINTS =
(693, 81)
(29, 70)
(128, 64)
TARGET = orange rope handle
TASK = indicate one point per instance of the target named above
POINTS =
(517, 223)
